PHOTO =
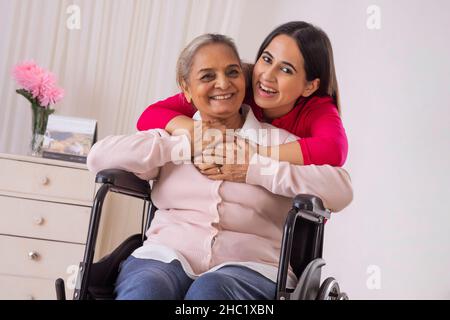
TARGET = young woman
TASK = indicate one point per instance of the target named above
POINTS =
(211, 239)
(293, 87)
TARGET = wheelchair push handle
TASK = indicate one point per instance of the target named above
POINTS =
(311, 207)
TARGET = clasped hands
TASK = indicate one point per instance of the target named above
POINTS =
(219, 153)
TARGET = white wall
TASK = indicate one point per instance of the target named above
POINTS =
(396, 108)
(395, 97)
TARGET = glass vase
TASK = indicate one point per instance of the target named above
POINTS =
(39, 121)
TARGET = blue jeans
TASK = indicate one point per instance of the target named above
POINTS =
(147, 279)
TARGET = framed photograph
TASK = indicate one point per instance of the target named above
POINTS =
(69, 138)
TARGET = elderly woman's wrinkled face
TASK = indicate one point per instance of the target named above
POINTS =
(216, 83)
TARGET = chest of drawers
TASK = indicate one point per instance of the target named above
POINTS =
(45, 207)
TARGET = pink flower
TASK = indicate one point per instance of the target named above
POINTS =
(39, 82)
(28, 75)
(50, 95)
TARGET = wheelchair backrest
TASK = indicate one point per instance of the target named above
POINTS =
(307, 244)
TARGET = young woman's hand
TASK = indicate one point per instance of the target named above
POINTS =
(228, 161)
(206, 136)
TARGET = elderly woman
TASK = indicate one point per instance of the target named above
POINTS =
(212, 239)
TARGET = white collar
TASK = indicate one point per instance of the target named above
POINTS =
(251, 124)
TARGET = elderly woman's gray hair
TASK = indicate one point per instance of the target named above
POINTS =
(185, 60)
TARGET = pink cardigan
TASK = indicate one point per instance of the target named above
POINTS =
(210, 223)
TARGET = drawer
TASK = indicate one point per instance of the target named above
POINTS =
(27, 288)
(38, 258)
(44, 220)
(56, 183)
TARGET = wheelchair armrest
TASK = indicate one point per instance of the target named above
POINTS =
(124, 182)
(312, 207)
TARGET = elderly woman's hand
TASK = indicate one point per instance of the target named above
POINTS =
(226, 172)
(228, 161)
(206, 135)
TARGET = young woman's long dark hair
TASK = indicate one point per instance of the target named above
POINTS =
(317, 53)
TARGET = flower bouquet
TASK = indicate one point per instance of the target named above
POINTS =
(39, 87)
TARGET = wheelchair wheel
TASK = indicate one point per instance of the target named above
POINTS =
(329, 290)
(342, 296)
(309, 283)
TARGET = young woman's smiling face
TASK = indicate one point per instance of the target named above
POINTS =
(216, 83)
(279, 77)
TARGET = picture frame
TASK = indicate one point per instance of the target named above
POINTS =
(69, 138)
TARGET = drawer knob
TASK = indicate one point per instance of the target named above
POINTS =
(38, 221)
(45, 180)
(33, 255)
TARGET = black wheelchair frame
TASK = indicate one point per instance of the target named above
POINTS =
(302, 245)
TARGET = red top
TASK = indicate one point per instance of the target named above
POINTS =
(315, 120)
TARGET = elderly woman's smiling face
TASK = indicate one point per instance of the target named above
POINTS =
(216, 83)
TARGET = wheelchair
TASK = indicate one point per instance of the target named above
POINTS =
(302, 244)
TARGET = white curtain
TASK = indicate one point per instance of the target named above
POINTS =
(121, 58)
